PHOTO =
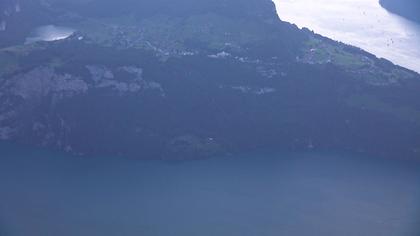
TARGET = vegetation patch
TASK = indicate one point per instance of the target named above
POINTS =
(372, 103)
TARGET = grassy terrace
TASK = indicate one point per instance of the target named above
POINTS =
(317, 51)
(374, 71)
(170, 34)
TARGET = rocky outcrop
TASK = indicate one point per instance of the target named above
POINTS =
(30, 100)
(133, 82)
(43, 81)
(3, 25)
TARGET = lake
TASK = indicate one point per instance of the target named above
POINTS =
(362, 23)
(44, 193)
(49, 33)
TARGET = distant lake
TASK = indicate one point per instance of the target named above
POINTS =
(300, 194)
(49, 33)
(363, 23)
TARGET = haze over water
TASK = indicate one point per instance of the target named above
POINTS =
(300, 194)
(362, 23)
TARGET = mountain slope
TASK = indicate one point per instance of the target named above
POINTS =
(195, 80)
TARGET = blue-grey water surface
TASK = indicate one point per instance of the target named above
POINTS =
(44, 193)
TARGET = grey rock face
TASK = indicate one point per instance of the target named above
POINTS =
(103, 77)
(3, 25)
(42, 81)
(27, 91)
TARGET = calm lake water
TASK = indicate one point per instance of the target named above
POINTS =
(300, 194)
(363, 23)
(49, 33)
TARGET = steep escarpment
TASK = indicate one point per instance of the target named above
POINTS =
(198, 79)
(406, 8)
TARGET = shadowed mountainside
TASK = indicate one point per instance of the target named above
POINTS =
(155, 79)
